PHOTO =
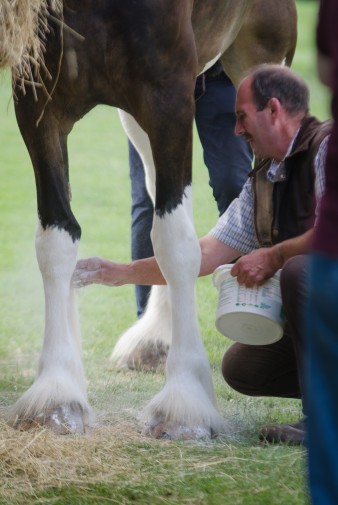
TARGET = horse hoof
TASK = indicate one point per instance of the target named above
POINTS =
(149, 358)
(62, 420)
(163, 430)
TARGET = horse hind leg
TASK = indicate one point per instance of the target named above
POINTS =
(268, 35)
(144, 346)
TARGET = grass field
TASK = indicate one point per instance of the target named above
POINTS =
(114, 463)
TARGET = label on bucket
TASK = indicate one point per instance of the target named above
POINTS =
(261, 297)
(248, 315)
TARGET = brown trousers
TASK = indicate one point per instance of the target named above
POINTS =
(274, 370)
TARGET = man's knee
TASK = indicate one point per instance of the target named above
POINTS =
(237, 376)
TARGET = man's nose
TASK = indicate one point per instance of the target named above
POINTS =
(239, 130)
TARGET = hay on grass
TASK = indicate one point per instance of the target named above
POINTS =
(33, 461)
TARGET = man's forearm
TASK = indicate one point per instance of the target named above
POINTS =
(145, 271)
(214, 254)
(98, 270)
(292, 247)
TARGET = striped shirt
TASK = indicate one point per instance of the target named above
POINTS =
(236, 226)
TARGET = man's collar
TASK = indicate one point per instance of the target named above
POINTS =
(278, 163)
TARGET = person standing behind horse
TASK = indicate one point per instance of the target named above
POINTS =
(227, 157)
(272, 115)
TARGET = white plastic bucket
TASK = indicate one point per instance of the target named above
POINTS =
(248, 315)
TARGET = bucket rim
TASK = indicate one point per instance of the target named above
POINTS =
(222, 270)
(217, 275)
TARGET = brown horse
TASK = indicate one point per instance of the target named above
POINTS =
(141, 56)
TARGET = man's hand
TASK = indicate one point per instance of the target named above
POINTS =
(99, 271)
(257, 267)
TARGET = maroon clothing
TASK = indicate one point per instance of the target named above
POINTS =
(326, 236)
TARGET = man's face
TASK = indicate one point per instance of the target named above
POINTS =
(256, 126)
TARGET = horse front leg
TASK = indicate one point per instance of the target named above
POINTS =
(57, 398)
(186, 407)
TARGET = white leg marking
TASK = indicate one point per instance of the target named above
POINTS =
(145, 344)
(151, 334)
(186, 406)
(140, 140)
(60, 380)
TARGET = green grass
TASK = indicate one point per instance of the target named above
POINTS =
(123, 466)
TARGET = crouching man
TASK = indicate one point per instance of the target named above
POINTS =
(268, 227)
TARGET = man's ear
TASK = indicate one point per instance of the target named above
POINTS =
(274, 106)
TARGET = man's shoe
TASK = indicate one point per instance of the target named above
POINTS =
(290, 434)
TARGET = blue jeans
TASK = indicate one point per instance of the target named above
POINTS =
(321, 379)
(142, 211)
(227, 157)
